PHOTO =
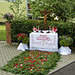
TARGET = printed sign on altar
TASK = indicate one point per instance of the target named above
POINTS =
(44, 42)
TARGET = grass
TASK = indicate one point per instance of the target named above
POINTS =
(2, 32)
(32, 63)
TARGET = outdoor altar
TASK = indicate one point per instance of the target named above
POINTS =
(44, 41)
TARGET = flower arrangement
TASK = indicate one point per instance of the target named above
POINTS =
(35, 29)
(8, 16)
(65, 40)
(54, 29)
(32, 63)
(23, 37)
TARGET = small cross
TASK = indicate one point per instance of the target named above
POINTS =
(45, 16)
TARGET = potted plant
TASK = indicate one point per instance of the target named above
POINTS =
(24, 38)
(64, 42)
(8, 17)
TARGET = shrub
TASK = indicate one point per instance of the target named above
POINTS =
(65, 40)
(26, 26)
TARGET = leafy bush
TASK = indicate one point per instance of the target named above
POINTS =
(23, 26)
(65, 40)
(26, 26)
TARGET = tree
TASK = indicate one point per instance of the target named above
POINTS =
(64, 9)
(15, 7)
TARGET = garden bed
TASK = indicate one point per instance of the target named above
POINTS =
(32, 63)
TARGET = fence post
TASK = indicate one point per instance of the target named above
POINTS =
(8, 32)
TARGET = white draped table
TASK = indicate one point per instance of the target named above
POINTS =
(44, 41)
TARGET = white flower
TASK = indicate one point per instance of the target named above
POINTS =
(56, 18)
(31, 69)
(53, 14)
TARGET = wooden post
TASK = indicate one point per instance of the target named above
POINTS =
(8, 32)
(45, 16)
(45, 20)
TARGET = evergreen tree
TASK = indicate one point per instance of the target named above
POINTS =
(64, 9)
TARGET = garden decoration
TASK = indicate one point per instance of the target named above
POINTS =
(35, 29)
(44, 41)
(24, 38)
(32, 63)
(45, 16)
(51, 30)
(9, 17)
(65, 41)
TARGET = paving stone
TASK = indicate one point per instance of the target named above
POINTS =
(4, 73)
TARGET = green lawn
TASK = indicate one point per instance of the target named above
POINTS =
(2, 32)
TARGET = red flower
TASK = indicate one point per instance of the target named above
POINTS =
(42, 60)
(49, 53)
(33, 65)
(39, 69)
(16, 64)
(54, 29)
(28, 68)
(21, 67)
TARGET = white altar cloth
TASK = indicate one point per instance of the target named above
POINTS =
(44, 41)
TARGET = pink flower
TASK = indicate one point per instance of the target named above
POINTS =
(39, 69)
(25, 62)
(35, 29)
(30, 61)
(16, 66)
(21, 65)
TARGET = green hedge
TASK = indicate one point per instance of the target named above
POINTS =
(26, 26)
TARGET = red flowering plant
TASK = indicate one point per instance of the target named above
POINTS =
(23, 37)
(8, 16)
